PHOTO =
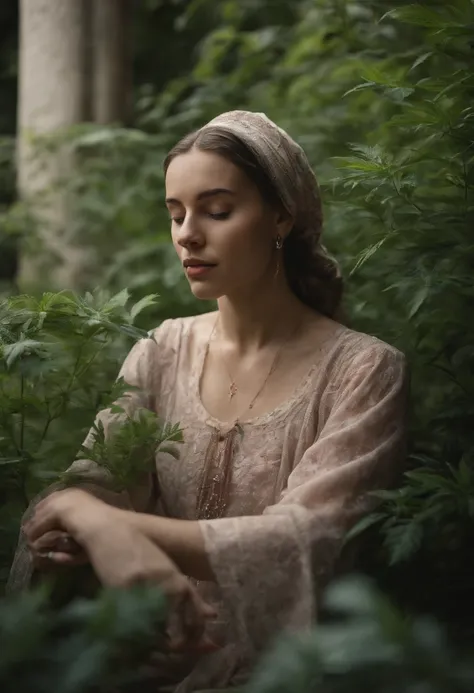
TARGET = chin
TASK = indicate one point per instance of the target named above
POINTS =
(204, 292)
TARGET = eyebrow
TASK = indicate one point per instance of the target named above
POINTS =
(203, 195)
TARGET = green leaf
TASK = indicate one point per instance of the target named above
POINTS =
(421, 59)
(143, 303)
(25, 347)
(130, 447)
(421, 15)
(465, 475)
(367, 254)
(364, 524)
(420, 298)
(431, 482)
(120, 300)
(403, 540)
(398, 94)
(6, 461)
(359, 87)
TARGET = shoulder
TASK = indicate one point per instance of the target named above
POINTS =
(358, 356)
(173, 343)
(344, 347)
(178, 339)
(174, 331)
(366, 347)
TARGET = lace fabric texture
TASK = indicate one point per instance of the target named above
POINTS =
(300, 478)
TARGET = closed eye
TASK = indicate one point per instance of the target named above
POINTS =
(220, 216)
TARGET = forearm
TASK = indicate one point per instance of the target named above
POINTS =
(181, 540)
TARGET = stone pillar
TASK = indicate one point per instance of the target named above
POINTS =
(53, 95)
(74, 67)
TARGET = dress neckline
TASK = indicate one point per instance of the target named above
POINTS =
(273, 414)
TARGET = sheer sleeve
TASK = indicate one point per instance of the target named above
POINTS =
(140, 370)
(269, 566)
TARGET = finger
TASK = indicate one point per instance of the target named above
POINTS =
(41, 523)
(68, 559)
(48, 541)
(199, 641)
(193, 622)
(43, 563)
(66, 544)
(188, 623)
(205, 609)
(199, 612)
(40, 546)
(57, 558)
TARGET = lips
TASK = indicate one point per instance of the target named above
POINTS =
(197, 263)
(196, 268)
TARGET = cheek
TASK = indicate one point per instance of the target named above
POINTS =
(249, 236)
(174, 240)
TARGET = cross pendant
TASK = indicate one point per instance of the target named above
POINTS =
(232, 390)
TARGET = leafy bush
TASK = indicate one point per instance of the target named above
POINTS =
(106, 644)
(129, 450)
(367, 646)
(412, 185)
(90, 646)
(59, 356)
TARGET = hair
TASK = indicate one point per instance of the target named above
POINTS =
(312, 275)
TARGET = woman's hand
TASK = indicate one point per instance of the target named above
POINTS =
(50, 535)
(122, 556)
(71, 513)
(55, 549)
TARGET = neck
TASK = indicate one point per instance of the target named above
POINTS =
(263, 315)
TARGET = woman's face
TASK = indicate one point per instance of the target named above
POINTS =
(223, 231)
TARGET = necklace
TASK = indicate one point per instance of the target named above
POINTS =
(233, 389)
(216, 478)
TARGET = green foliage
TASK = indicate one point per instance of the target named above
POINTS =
(414, 189)
(365, 644)
(59, 355)
(368, 645)
(88, 646)
(130, 449)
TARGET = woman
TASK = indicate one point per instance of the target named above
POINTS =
(290, 419)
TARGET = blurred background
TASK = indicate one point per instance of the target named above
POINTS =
(380, 94)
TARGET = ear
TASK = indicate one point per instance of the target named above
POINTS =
(283, 223)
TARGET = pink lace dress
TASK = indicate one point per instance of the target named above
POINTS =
(299, 478)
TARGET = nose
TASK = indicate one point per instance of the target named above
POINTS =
(189, 234)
